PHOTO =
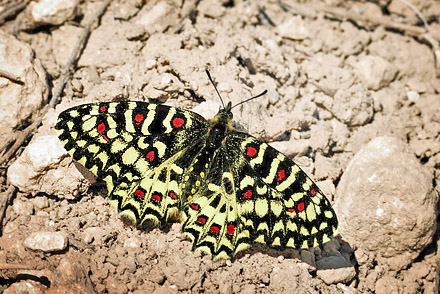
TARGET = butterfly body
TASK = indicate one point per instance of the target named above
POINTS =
(227, 188)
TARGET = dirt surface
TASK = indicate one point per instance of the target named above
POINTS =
(354, 103)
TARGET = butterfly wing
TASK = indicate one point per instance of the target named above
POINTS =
(211, 214)
(258, 195)
(155, 162)
(140, 150)
(278, 203)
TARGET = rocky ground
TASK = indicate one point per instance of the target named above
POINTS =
(353, 98)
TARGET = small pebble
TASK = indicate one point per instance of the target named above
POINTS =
(339, 275)
(54, 12)
(295, 29)
(77, 86)
(376, 72)
(40, 203)
(132, 243)
(150, 64)
(46, 241)
(413, 96)
(25, 286)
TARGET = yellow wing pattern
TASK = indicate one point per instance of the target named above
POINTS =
(139, 150)
(256, 194)
(229, 189)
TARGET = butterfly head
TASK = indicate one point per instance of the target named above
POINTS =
(226, 111)
(224, 117)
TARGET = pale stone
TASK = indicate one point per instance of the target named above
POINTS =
(150, 64)
(91, 234)
(132, 243)
(413, 96)
(289, 277)
(46, 241)
(294, 28)
(40, 169)
(18, 103)
(40, 202)
(339, 275)
(328, 187)
(292, 148)
(353, 106)
(54, 12)
(386, 203)
(376, 72)
(43, 152)
(152, 17)
(327, 168)
(22, 207)
(26, 286)
(320, 137)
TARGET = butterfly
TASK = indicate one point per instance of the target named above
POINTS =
(227, 188)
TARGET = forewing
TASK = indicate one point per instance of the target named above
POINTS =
(277, 203)
(137, 149)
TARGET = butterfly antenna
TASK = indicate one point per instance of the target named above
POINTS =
(212, 82)
(252, 98)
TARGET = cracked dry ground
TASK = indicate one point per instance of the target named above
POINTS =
(352, 102)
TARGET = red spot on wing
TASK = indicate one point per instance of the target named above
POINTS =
(291, 209)
(103, 108)
(313, 192)
(173, 195)
(247, 194)
(215, 229)
(281, 175)
(201, 219)
(251, 151)
(231, 229)
(150, 156)
(138, 118)
(101, 128)
(195, 206)
(178, 122)
(301, 206)
(156, 197)
(139, 193)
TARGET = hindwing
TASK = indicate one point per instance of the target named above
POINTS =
(211, 217)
